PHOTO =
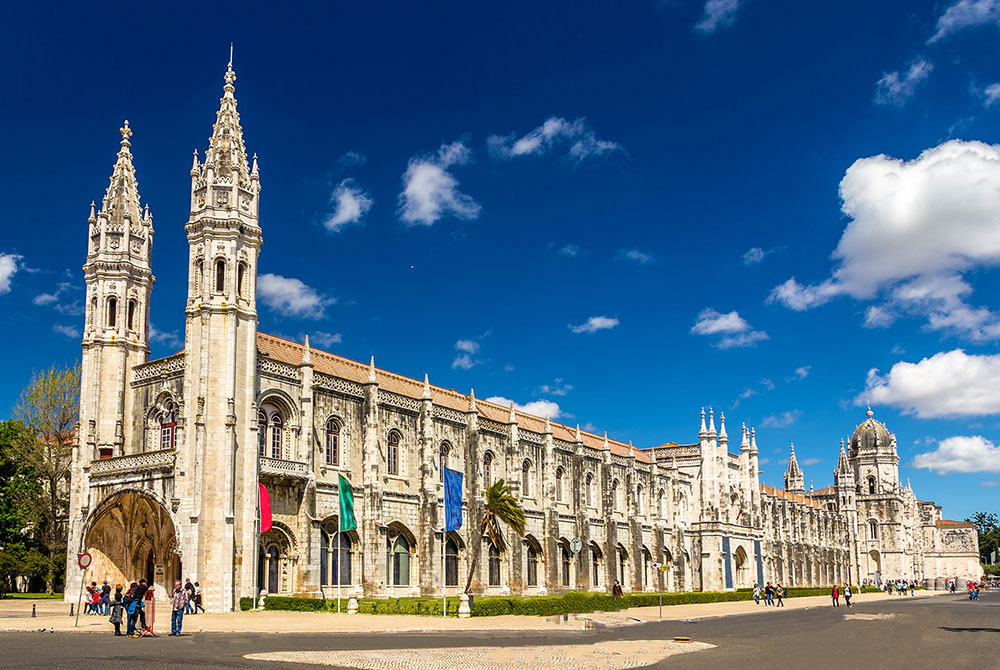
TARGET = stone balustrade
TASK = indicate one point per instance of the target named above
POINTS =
(150, 461)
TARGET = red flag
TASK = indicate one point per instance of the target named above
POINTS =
(265, 508)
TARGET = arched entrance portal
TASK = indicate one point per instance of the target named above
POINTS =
(875, 566)
(131, 537)
(742, 568)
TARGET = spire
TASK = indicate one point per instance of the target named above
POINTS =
(606, 446)
(753, 440)
(512, 417)
(472, 400)
(702, 431)
(794, 479)
(744, 439)
(371, 371)
(195, 165)
(306, 354)
(843, 466)
(723, 437)
(121, 200)
(548, 425)
(579, 437)
(93, 217)
(227, 153)
(427, 386)
(711, 421)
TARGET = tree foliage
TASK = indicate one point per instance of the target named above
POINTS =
(49, 409)
(500, 508)
(989, 534)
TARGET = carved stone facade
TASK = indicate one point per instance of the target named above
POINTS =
(170, 451)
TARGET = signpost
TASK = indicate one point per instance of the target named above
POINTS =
(661, 568)
(83, 560)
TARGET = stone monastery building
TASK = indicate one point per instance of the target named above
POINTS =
(169, 453)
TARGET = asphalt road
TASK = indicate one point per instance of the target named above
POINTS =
(940, 632)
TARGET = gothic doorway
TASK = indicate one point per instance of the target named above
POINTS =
(131, 536)
(742, 566)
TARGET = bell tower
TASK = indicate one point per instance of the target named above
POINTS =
(220, 459)
(119, 280)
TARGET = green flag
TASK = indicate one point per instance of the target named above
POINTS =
(347, 521)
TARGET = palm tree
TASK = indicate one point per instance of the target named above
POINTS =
(499, 507)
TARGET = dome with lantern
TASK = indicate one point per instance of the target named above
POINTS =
(870, 436)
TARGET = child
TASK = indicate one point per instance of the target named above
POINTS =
(117, 610)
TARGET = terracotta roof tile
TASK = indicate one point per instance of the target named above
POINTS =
(944, 523)
(290, 352)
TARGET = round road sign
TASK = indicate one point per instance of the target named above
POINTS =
(575, 545)
(84, 560)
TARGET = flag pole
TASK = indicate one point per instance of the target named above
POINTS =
(340, 538)
(444, 539)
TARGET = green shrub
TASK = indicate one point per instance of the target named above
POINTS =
(567, 603)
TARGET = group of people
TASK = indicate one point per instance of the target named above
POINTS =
(900, 586)
(973, 588)
(770, 594)
(129, 606)
(837, 592)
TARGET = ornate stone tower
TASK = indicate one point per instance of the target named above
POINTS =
(219, 460)
(794, 479)
(119, 280)
(874, 458)
(846, 488)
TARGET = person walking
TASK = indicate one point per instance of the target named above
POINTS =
(131, 605)
(117, 606)
(189, 587)
(836, 596)
(769, 595)
(616, 590)
(847, 594)
(105, 602)
(913, 587)
(756, 594)
(178, 605)
(197, 598)
(779, 594)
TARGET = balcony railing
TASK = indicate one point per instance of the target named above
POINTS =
(281, 469)
(150, 461)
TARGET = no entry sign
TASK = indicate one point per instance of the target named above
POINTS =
(84, 560)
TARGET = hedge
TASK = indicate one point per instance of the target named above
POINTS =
(570, 602)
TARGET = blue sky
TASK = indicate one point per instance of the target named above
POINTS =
(620, 212)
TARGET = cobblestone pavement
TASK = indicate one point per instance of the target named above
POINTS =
(610, 655)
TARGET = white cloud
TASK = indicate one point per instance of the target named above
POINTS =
(594, 324)
(68, 331)
(468, 346)
(966, 14)
(540, 408)
(571, 250)
(464, 362)
(8, 268)
(556, 388)
(810, 461)
(949, 383)
(291, 297)
(755, 255)
(747, 393)
(915, 229)
(352, 159)
(430, 191)
(994, 482)
(167, 339)
(767, 383)
(350, 204)
(577, 136)
(991, 94)
(895, 88)
(59, 299)
(782, 420)
(800, 373)
(325, 339)
(635, 255)
(737, 332)
(961, 454)
(718, 14)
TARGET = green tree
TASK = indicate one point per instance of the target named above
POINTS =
(19, 560)
(989, 534)
(20, 486)
(49, 408)
(499, 508)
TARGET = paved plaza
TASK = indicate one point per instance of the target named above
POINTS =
(940, 631)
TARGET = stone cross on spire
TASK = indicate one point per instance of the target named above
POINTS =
(121, 200)
(794, 479)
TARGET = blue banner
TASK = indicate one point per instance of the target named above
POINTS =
(452, 499)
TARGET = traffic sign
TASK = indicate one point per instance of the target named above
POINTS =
(84, 560)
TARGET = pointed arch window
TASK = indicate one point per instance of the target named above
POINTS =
(588, 489)
(392, 453)
(397, 561)
(277, 424)
(532, 565)
(559, 484)
(565, 564)
(220, 276)
(261, 433)
(640, 506)
(526, 478)
(451, 563)
(241, 272)
(871, 485)
(494, 564)
(130, 323)
(614, 495)
(168, 426)
(445, 448)
(112, 311)
(487, 469)
(332, 442)
(873, 529)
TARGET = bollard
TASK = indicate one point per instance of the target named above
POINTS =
(33, 610)
(71, 609)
